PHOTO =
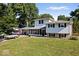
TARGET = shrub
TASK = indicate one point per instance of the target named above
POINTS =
(73, 38)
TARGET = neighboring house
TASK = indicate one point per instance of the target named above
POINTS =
(49, 27)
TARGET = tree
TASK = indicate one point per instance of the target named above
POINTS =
(72, 13)
(75, 17)
(4, 23)
(3, 8)
(31, 13)
(75, 13)
(28, 13)
(11, 15)
(76, 26)
(14, 14)
(62, 17)
(46, 16)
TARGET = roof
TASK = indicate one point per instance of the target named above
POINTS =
(60, 22)
(45, 19)
(37, 27)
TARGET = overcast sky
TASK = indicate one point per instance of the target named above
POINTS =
(56, 9)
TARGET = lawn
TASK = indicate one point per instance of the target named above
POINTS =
(39, 46)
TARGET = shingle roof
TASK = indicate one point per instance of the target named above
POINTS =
(60, 22)
(37, 27)
(45, 19)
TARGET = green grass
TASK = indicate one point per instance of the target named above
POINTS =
(38, 46)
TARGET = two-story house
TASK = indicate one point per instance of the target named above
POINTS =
(39, 28)
(50, 27)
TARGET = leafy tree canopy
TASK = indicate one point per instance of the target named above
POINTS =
(28, 13)
(75, 13)
(14, 15)
(62, 17)
(46, 16)
(75, 16)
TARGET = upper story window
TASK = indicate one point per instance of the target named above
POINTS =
(62, 25)
(41, 21)
(51, 25)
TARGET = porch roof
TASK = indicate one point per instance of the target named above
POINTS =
(37, 27)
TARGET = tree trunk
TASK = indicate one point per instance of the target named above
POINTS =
(27, 24)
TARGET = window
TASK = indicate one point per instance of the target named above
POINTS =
(62, 35)
(52, 35)
(40, 21)
(51, 25)
(58, 25)
(48, 25)
(62, 25)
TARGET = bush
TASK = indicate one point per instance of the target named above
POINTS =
(73, 38)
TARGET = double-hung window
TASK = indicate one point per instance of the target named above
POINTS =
(51, 25)
(41, 21)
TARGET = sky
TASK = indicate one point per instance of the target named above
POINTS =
(56, 9)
